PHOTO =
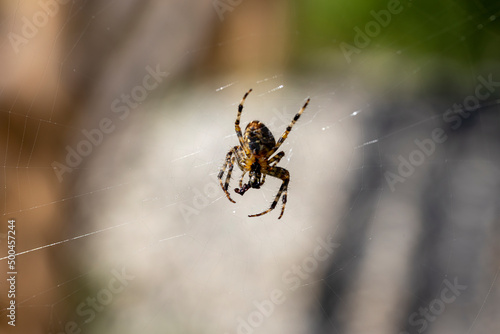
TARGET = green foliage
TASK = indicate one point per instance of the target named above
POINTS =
(463, 30)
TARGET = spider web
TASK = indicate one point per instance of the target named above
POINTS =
(164, 218)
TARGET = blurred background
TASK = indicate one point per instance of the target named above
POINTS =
(116, 118)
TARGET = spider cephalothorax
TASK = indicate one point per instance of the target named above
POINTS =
(253, 155)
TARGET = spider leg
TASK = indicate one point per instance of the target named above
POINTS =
(243, 188)
(276, 159)
(288, 129)
(241, 179)
(237, 123)
(240, 157)
(229, 162)
(284, 175)
(273, 162)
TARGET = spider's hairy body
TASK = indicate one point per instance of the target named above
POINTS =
(259, 139)
(255, 156)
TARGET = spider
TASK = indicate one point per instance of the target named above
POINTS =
(253, 155)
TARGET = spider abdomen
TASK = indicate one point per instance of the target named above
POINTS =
(259, 138)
